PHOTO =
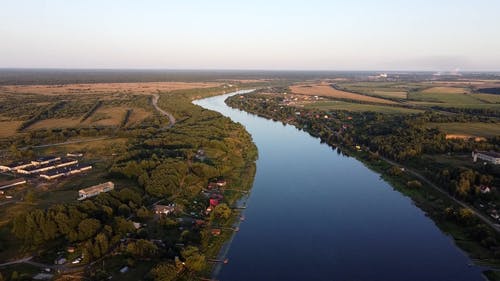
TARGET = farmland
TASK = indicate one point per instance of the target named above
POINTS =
(327, 90)
(359, 107)
(470, 129)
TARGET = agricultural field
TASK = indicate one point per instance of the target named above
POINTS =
(326, 90)
(358, 107)
(458, 94)
(470, 129)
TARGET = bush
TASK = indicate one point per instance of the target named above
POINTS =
(414, 184)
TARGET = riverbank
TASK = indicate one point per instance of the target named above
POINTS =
(448, 216)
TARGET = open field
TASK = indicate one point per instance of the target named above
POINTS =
(446, 90)
(326, 90)
(106, 116)
(99, 88)
(357, 107)
(138, 115)
(8, 128)
(488, 98)
(55, 123)
(469, 129)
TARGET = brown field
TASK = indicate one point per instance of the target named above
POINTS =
(98, 88)
(324, 89)
(55, 123)
(111, 116)
(445, 90)
(138, 114)
(8, 128)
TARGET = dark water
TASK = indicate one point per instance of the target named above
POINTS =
(316, 215)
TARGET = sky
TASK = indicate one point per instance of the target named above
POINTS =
(440, 35)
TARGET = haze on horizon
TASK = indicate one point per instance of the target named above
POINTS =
(222, 34)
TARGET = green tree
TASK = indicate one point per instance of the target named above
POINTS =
(164, 272)
(194, 260)
(87, 228)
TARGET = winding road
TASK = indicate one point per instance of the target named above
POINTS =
(171, 118)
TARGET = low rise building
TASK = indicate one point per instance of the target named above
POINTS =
(164, 209)
(65, 171)
(14, 166)
(489, 156)
(47, 166)
(95, 190)
(45, 160)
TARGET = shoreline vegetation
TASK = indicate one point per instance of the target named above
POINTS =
(156, 164)
(343, 131)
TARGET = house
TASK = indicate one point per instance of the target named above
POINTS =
(95, 190)
(489, 156)
(70, 249)
(74, 154)
(214, 202)
(216, 232)
(11, 183)
(164, 209)
(221, 182)
(124, 269)
(484, 189)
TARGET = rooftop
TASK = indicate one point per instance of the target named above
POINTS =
(97, 188)
(490, 153)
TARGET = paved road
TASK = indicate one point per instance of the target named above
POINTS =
(23, 260)
(481, 216)
(171, 118)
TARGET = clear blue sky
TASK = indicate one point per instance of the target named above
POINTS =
(257, 34)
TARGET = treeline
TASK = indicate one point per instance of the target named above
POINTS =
(126, 117)
(43, 114)
(490, 112)
(91, 110)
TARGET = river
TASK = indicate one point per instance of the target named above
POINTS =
(314, 214)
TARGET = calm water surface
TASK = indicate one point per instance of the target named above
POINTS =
(316, 215)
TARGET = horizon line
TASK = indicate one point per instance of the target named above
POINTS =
(250, 69)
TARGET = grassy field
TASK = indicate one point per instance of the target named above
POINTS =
(326, 90)
(8, 128)
(138, 115)
(469, 129)
(55, 123)
(356, 107)
(488, 98)
(100, 88)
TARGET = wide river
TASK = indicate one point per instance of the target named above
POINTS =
(314, 214)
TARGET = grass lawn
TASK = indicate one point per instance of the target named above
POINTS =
(356, 107)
